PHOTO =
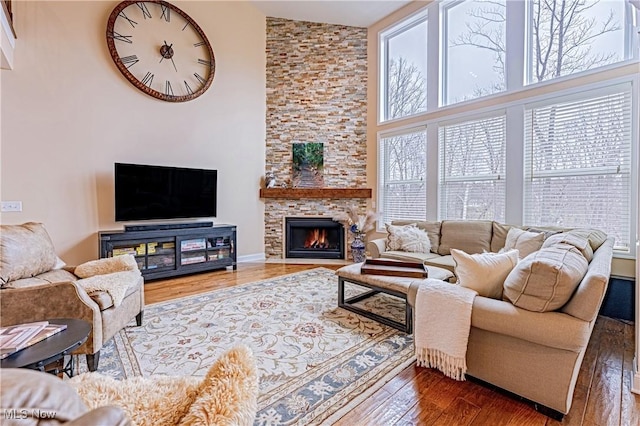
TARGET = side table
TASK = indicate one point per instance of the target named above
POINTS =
(52, 349)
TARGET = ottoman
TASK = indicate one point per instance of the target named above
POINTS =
(391, 285)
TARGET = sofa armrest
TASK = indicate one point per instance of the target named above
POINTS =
(376, 247)
(48, 301)
(108, 415)
(552, 329)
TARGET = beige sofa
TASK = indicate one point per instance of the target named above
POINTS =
(37, 286)
(536, 355)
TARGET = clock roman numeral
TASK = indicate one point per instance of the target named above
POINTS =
(166, 13)
(132, 22)
(168, 90)
(143, 8)
(117, 36)
(148, 79)
(205, 63)
(130, 61)
(198, 44)
(186, 86)
(199, 77)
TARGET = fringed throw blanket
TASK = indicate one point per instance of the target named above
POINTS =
(442, 324)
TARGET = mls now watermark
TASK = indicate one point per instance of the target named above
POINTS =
(26, 413)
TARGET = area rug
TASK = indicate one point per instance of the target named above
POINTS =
(316, 361)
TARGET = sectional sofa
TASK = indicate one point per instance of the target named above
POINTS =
(528, 348)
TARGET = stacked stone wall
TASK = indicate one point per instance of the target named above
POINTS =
(316, 92)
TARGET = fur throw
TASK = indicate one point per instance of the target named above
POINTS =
(106, 266)
(115, 284)
(227, 395)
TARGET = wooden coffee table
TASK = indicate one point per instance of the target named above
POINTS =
(48, 355)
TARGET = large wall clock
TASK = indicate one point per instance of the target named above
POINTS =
(160, 50)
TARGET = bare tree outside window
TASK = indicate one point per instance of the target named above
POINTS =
(404, 156)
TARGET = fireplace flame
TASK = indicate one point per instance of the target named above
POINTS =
(316, 238)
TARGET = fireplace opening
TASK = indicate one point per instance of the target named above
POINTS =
(319, 238)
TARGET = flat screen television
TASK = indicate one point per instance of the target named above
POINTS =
(144, 192)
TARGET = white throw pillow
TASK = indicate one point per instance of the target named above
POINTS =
(408, 238)
(524, 241)
(484, 272)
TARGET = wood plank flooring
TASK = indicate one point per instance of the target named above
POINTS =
(420, 396)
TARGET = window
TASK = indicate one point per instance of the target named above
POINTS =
(473, 37)
(404, 68)
(472, 169)
(402, 189)
(569, 36)
(578, 163)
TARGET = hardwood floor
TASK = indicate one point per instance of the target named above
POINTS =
(420, 396)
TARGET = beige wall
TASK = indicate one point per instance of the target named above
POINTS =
(68, 115)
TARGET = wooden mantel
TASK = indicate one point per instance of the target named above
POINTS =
(300, 193)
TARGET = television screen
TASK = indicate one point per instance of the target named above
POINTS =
(145, 192)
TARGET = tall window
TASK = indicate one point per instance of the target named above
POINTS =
(472, 169)
(569, 36)
(402, 184)
(578, 163)
(474, 37)
(404, 68)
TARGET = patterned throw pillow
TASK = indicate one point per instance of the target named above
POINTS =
(408, 238)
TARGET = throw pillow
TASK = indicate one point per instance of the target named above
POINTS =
(484, 272)
(545, 280)
(27, 251)
(408, 238)
(524, 241)
(577, 241)
(595, 237)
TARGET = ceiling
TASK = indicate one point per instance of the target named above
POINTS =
(358, 13)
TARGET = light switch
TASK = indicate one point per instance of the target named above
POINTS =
(11, 206)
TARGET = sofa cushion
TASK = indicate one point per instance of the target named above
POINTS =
(499, 236)
(595, 237)
(484, 272)
(27, 250)
(408, 256)
(524, 241)
(445, 262)
(432, 229)
(546, 279)
(53, 276)
(470, 236)
(578, 241)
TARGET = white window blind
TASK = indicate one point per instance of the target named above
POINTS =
(578, 163)
(402, 188)
(472, 169)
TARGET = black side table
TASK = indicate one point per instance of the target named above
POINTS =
(52, 349)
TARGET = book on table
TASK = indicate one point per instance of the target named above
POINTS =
(17, 337)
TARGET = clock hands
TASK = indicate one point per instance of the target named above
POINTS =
(166, 52)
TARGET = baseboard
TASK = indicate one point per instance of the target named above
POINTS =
(635, 380)
(256, 257)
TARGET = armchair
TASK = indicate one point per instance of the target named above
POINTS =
(107, 293)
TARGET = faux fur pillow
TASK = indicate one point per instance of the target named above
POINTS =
(484, 272)
(106, 266)
(408, 238)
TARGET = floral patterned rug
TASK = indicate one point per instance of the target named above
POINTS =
(316, 361)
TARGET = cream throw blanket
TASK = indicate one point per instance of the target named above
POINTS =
(442, 324)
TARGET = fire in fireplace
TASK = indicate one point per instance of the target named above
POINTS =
(319, 238)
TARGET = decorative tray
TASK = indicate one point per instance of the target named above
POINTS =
(394, 268)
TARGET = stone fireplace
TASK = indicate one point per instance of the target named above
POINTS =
(313, 238)
(316, 92)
